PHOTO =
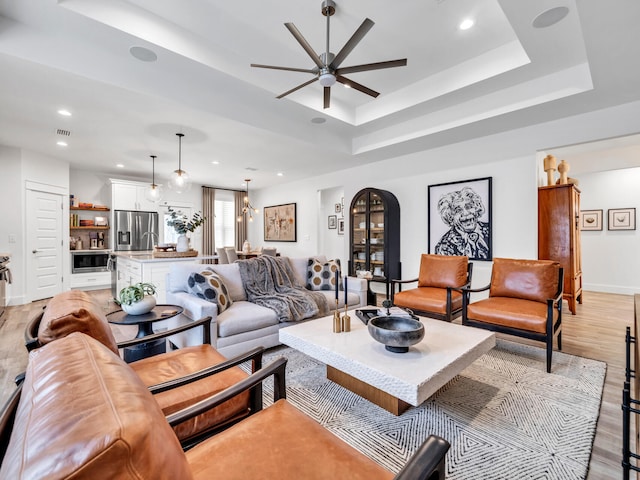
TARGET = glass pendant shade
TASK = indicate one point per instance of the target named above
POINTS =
(179, 181)
(153, 193)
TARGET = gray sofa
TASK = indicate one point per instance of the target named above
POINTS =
(244, 325)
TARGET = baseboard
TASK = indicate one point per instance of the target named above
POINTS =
(594, 287)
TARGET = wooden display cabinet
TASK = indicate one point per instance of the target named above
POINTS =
(559, 236)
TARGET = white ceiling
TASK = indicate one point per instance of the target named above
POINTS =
(499, 75)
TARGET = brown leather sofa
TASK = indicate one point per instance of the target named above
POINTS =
(437, 294)
(177, 379)
(525, 299)
(82, 413)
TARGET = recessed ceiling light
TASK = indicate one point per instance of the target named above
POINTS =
(280, 174)
(318, 120)
(119, 165)
(550, 17)
(143, 54)
(215, 162)
(466, 24)
(64, 113)
(61, 143)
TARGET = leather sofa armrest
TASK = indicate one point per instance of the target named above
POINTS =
(275, 368)
(428, 462)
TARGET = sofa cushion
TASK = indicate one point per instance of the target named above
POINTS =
(442, 271)
(206, 284)
(535, 280)
(322, 276)
(305, 450)
(245, 317)
(230, 275)
(179, 363)
(85, 414)
(299, 266)
(75, 311)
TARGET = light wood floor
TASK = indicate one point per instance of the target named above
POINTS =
(597, 331)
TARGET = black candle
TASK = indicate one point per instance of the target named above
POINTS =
(345, 290)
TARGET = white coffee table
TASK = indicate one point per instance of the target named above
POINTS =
(394, 381)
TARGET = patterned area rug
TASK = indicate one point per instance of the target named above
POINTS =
(504, 416)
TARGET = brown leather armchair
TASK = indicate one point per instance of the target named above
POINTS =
(438, 293)
(177, 379)
(525, 299)
(83, 413)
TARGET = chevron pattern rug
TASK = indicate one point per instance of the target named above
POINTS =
(505, 417)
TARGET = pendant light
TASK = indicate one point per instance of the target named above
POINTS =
(154, 192)
(179, 181)
(247, 207)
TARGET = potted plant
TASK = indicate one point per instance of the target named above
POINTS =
(181, 224)
(138, 298)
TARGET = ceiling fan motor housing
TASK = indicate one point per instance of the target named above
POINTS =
(328, 6)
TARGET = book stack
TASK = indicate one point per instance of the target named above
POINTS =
(74, 220)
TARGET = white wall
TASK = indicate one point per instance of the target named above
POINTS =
(611, 259)
(329, 242)
(514, 207)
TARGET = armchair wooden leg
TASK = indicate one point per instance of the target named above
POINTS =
(549, 352)
(560, 340)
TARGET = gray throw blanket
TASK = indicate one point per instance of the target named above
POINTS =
(270, 282)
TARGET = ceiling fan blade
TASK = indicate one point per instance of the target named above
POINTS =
(289, 69)
(327, 97)
(372, 66)
(356, 85)
(302, 41)
(352, 42)
(298, 87)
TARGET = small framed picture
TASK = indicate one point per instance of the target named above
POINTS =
(590, 219)
(341, 226)
(333, 222)
(622, 219)
(338, 207)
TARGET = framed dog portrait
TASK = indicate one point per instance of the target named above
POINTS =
(460, 218)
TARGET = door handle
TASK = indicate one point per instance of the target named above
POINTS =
(34, 251)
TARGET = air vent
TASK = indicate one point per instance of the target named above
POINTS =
(66, 133)
(251, 169)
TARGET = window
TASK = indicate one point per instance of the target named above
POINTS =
(225, 223)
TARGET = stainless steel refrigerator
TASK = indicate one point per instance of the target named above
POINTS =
(135, 230)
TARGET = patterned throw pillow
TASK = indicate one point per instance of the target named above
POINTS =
(322, 276)
(208, 286)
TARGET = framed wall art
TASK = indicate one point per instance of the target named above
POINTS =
(621, 219)
(341, 226)
(590, 219)
(338, 208)
(460, 218)
(280, 223)
(333, 222)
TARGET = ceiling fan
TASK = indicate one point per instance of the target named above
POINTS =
(327, 69)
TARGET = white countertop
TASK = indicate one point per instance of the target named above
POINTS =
(146, 256)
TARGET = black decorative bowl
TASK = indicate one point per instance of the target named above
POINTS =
(396, 333)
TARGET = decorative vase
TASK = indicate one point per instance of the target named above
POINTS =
(183, 244)
(246, 247)
(140, 307)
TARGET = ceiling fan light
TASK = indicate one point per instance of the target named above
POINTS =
(327, 79)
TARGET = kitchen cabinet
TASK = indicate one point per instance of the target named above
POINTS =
(131, 196)
(559, 236)
(374, 239)
(131, 271)
(90, 281)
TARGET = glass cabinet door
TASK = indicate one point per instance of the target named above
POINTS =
(376, 235)
(360, 235)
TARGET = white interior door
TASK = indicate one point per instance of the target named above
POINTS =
(44, 244)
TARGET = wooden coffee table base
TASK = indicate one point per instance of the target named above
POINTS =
(373, 394)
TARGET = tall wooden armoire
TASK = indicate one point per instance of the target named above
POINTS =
(559, 235)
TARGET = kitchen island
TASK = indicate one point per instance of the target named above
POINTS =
(143, 266)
